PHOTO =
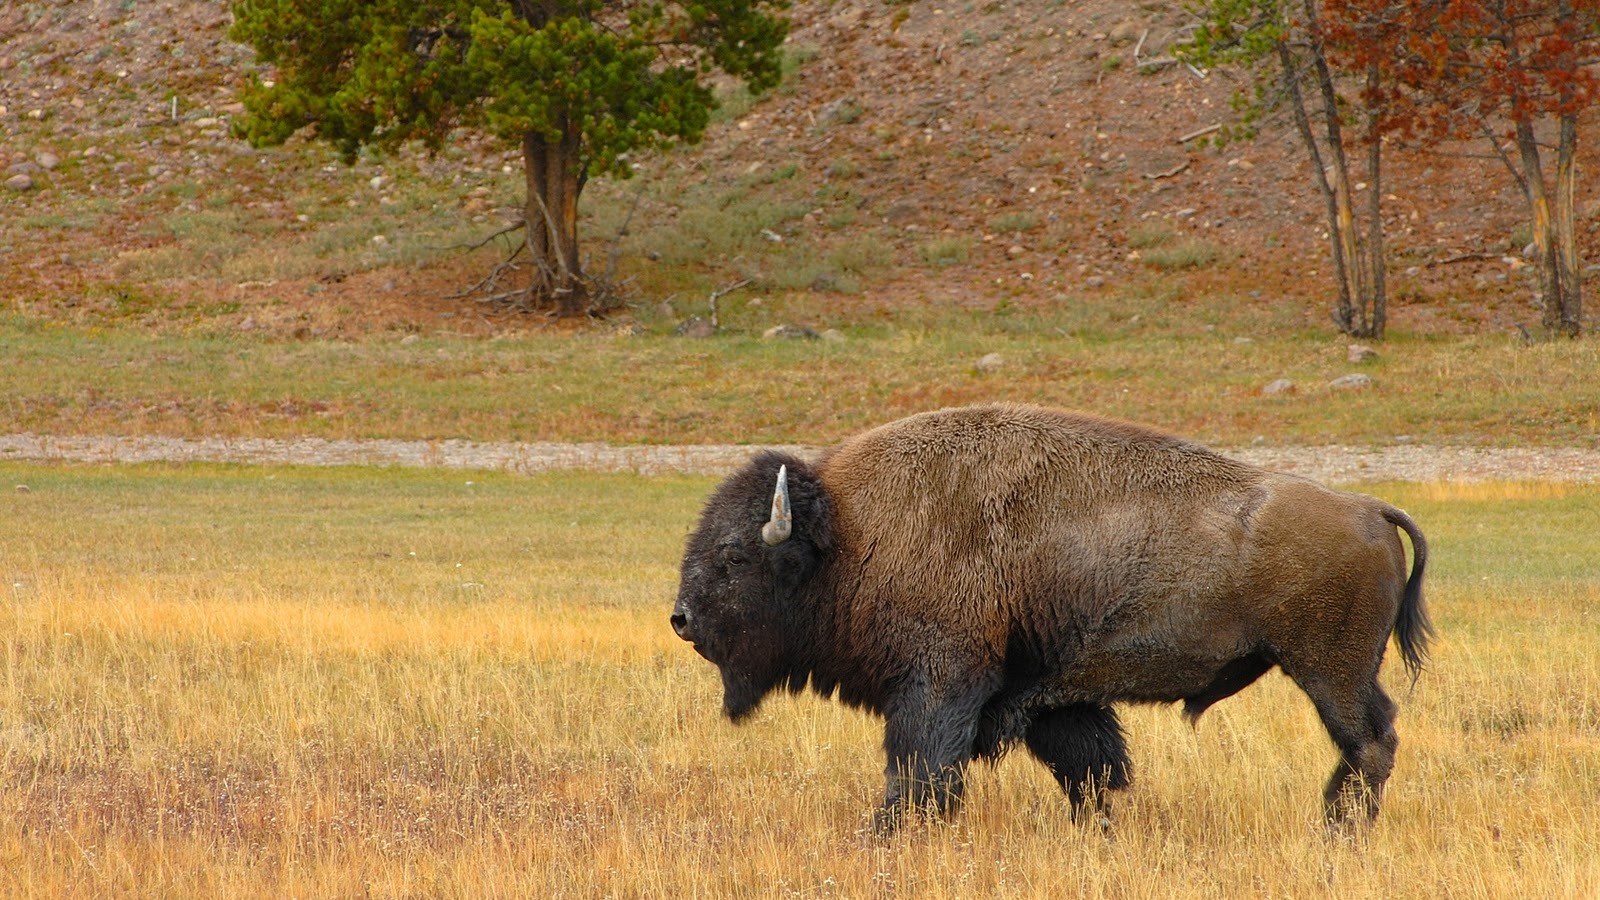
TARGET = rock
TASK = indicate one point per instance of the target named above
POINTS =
(1278, 386)
(789, 332)
(1354, 382)
(843, 111)
(20, 183)
(23, 168)
(850, 18)
(665, 310)
(695, 327)
(1095, 281)
(23, 489)
(1360, 353)
(1015, 250)
(902, 213)
(47, 160)
(990, 362)
(833, 336)
(410, 339)
(1124, 32)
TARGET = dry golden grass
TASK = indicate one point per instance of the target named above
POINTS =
(270, 683)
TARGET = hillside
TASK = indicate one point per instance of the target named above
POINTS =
(1008, 153)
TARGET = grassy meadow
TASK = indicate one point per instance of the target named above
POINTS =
(1191, 366)
(269, 682)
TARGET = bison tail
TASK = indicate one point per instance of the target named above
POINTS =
(1412, 628)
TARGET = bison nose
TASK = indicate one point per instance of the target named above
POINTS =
(680, 624)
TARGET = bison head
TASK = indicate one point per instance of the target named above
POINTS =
(762, 538)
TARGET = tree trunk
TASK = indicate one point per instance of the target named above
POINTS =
(554, 176)
(1343, 311)
(1541, 222)
(1375, 254)
(1359, 276)
(1566, 255)
(1352, 316)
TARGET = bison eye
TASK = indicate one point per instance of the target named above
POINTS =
(735, 559)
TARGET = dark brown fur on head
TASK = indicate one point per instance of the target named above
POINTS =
(743, 602)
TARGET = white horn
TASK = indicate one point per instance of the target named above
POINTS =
(777, 530)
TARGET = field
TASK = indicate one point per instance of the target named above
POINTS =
(1196, 365)
(286, 682)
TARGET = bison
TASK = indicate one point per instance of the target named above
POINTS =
(990, 575)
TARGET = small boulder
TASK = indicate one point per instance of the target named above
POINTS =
(1278, 386)
(20, 183)
(695, 327)
(1124, 32)
(1354, 382)
(990, 362)
(789, 332)
(902, 213)
(1360, 353)
(833, 336)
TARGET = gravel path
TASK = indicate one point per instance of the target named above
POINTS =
(1338, 464)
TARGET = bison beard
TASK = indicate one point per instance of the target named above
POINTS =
(989, 576)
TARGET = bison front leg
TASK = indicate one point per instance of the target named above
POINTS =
(1084, 749)
(928, 741)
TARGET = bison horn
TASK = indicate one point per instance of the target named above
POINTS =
(777, 530)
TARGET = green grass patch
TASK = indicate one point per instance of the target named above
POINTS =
(1186, 253)
(1014, 222)
(1154, 356)
(946, 251)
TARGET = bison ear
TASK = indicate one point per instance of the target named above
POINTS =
(781, 525)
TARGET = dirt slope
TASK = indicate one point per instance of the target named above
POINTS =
(1032, 127)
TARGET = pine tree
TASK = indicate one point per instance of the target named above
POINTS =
(578, 85)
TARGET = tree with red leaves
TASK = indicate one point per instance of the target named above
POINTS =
(1516, 72)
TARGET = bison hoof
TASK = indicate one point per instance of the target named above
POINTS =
(887, 819)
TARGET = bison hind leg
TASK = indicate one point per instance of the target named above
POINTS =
(1083, 747)
(1231, 679)
(1361, 724)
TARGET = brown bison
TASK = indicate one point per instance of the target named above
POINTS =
(994, 574)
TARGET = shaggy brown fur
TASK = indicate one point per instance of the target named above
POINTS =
(989, 575)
